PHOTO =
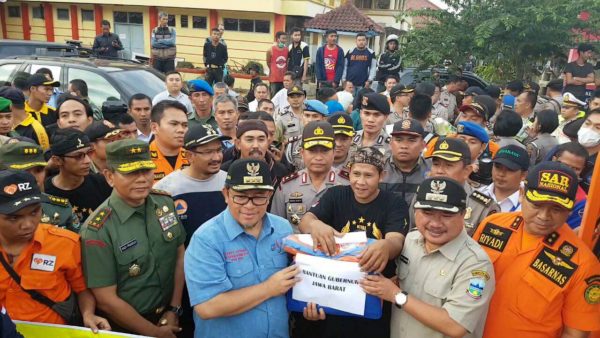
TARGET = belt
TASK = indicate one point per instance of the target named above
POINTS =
(214, 66)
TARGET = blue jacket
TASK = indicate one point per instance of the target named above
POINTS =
(320, 65)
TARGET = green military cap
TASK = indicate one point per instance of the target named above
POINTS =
(126, 156)
(5, 105)
(21, 156)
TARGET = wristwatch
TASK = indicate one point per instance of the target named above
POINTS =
(401, 298)
(177, 309)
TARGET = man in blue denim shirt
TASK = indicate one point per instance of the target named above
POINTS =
(235, 268)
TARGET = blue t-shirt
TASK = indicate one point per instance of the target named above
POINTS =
(359, 63)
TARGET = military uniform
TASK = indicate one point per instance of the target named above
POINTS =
(539, 147)
(58, 211)
(288, 124)
(479, 206)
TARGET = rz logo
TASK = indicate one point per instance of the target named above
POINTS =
(24, 186)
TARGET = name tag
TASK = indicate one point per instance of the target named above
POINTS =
(168, 221)
(494, 237)
(43, 262)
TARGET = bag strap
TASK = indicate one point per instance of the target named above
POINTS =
(33, 293)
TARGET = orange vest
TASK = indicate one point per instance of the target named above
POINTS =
(163, 168)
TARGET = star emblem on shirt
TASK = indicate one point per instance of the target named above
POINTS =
(361, 220)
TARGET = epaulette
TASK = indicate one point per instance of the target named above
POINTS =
(294, 139)
(97, 220)
(160, 192)
(63, 202)
(481, 198)
(290, 177)
(63, 233)
(344, 173)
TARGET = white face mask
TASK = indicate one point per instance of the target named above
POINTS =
(588, 137)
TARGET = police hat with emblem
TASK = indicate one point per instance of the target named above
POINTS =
(18, 189)
(200, 85)
(400, 89)
(67, 140)
(5, 105)
(408, 127)
(21, 156)
(474, 91)
(552, 182)
(296, 90)
(451, 149)
(376, 101)
(476, 107)
(342, 124)
(472, 129)
(201, 134)
(249, 174)
(368, 155)
(441, 193)
(316, 106)
(41, 80)
(570, 100)
(100, 131)
(126, 156)
(318, 133)
(513, 157)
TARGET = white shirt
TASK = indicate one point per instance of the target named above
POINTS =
(345, 99)
(280, 100)
(182, 98)
(141, 136)
(509, 204)
(252, 106)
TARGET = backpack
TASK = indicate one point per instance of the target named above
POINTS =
(545, 102)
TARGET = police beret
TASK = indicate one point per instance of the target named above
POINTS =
(472, 129)
(375, 101)
(316, 106)
(200, 86)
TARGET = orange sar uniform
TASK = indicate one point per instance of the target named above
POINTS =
(542, 283)
(51, 265)
(163, 167)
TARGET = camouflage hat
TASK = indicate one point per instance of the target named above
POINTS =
(21, 156)
(126, 156)
(368, 155)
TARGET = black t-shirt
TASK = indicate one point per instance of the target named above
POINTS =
(578, 71)
(172, 160)
(84, 199)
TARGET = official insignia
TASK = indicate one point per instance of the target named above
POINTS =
(209, 129)
(551, 238)
(365, 101)
(165, 208)
(295, 219)
(444, 145)
(181, 207)
(438, 186)
(406, 124)
(28, 151)
(79, 143)
(169, 235)
(475, 289)
(494, 237)
(159, 212)
(296, 194)
(481, 198)
(460, 129)
(592, 294)
(468, 213)
(253, 169)
(98, 220)
(45, 218)
(130, 244)
(135, 150)
(253, 172)
(168, 221)
(10, 189)
(549, 264)
(153, 154)
(318, 131)
(567, 250)
(56, 217)
(341, 120)
(134, 270)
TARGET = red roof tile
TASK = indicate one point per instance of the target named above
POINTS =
(346, 18)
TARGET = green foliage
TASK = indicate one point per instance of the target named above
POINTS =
(510, 36)
(246, 68)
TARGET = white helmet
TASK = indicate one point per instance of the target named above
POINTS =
(391, 37)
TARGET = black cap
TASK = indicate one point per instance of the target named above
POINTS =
(401, 89)
(451, 149)
(201, 134)
(572, 128)
(375, 101)
(552, 182)
(18, 189)
(342, 124)
(248, 125)
(67, 140)
(493, 91)
(556, 85)
(516, 85)
(474, 91)
(249, 174)
(487, 102)
(513, 157)
(476, 107)
(318, 133)
(98, 130)
(409, 127)
(41, 80)
(13, 94)
(441, 193)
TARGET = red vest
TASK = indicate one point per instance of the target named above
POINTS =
(278, 63)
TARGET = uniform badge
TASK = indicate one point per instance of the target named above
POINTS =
(126, 246)
(181, 207)
(468, 213)
(476, 286)
(159, 212)
(134, 270)
(169, 235)
(43, 262)
(56, 217)
(567, 250)
(296, 194)
(45, 218)
(168, 221)
(592, 294)
(165, 208)
(406, 124)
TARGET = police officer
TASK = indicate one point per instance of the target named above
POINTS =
(289, 122)
(400, 96)
(133, 247)
(30, 157)
(343, 129)
(300, 190)
(442, 272)
(451, 158)
(374, 112)
(314, 110)
(477, 138)
(548, 279)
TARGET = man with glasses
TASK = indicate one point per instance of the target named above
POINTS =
(71, 151)
(235, 269)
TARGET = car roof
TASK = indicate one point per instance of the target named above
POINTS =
(106, 64)
(34, 43)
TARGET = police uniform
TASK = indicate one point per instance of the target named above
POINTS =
(134, 248)
(539, 147)
(342, 125)
(289, 124)
(397, 90)
(376, 102)
(545, 283)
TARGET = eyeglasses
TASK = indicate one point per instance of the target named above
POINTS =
(256, 200)
(80, 156)
(208, 152)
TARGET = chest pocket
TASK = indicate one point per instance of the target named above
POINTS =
(438, 286)
(535, 296)
(132, 262)
(39, 280)
(240, 273)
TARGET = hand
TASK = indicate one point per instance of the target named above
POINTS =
(475, 166)
(281, 281)
(375, 257)
(166, 331)
(108, 123)
(170, 317)
(377, 285)
(323, 237)
(310, 312)
(276, 153)
(95, 322)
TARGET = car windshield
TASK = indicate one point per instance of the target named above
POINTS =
(139, 81)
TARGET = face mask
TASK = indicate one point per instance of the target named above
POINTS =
(281, 45)
(588, 137)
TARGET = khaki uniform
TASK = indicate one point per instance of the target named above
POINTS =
(396, 117)
(292, 152)
(296, 194)
(382, 142)
(58, 212)
(458, 277)
(448, 101)
(539, 147)
(288, 125)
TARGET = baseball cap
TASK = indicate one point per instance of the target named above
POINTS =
(478, 108)
(67, 140)
(5, 105)
(296, 90)
(18, 189)
(368, 155)
(318, 133)
(552, 182)
(98, 131)
(199, 85)
(126, 156)
(41, 80)
(21, 156)
(342, 124)
(248, 125)
(249, 174)
(13, 94)
(513, 157)
(316, 106)
(201, 134)
(441, 193)
(474, 91)
(375, 101)
(472, 129)
(409, 127)
(451, 149)
(487, 102)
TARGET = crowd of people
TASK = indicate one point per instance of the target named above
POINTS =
(167, 220)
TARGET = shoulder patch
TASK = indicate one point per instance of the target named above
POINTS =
(289, 177)
(481, 198)
(63, 202)
(344, 173)
(98, 219)
(160, 192)
(63, 233)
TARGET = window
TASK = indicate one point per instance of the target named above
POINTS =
(6, 70)
(247, 25)
(184, 21)
(171, 22)
(128, 17)
(100, 89)
(87, 15)
(14, 11)
(365, 4)
(382, 4)
(37, 12)
(199, 22)
(135, 17)
(62, 14)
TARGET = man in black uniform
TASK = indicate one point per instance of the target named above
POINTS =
(107, 44)
(215, 57)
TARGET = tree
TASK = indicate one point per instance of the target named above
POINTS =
(511, 37)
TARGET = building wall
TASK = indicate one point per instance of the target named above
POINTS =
(14, 26)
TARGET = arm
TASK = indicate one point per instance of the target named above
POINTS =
(377, 255)
(372, 69)
(87, 306)
(153, 40)
(97, 47)
(345, 72)
(179, 277)
(339, 66)
(205, 54)
(226, 54)
(585, 80)
(319, 71)
(574, 333)
(170, 42)
(269, 58)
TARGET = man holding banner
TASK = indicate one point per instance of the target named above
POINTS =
(445, 279)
